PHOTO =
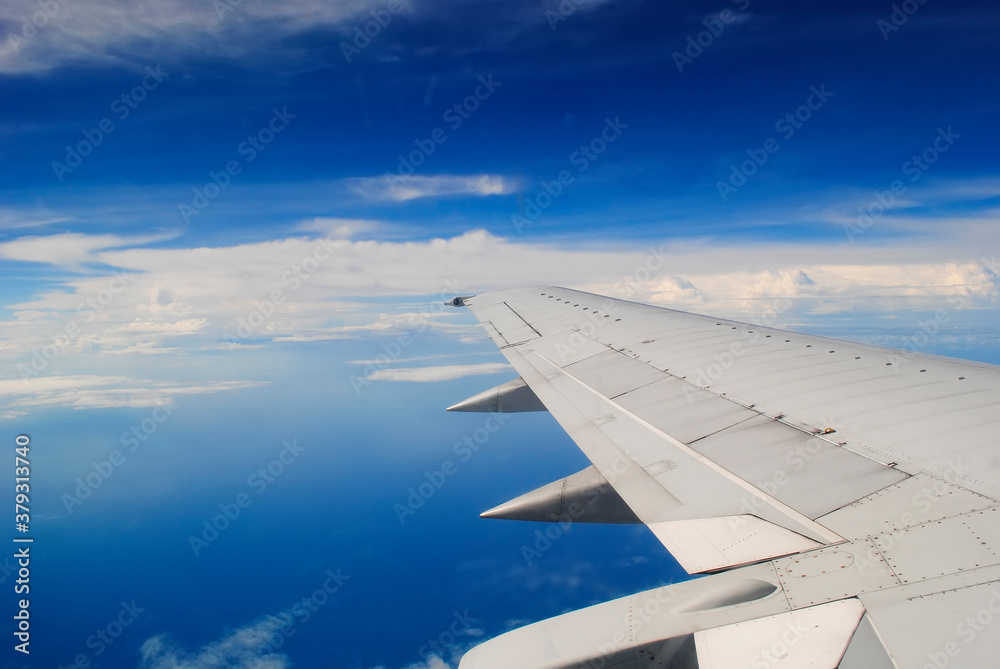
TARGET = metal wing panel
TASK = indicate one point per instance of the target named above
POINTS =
(676, 412)
(681, 470)
(684, 411)
(815, 637)
(600, 635)
(884, 405)
(914, 501)
(715, 543)
(802, 470)
(612, 373)
(947, 624)
(509, 325)
(659, 478)
(566, 348)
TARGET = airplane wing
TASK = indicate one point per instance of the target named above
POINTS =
(844, 496)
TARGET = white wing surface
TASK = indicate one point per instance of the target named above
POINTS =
(849, 480)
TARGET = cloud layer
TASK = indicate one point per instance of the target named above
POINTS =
(299, 289)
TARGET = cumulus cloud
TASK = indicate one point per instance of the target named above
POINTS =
(249, 647)
(254, 646)
(785, 283)
(670, 290)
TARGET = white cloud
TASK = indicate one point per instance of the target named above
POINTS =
(303, 289)
(433, 374)
(249, 647)
(68, 250)
(404, 188)
(82, 391)
(14, 219)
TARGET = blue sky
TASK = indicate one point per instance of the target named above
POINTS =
(228, 227)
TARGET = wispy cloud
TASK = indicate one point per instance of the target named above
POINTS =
(119, 32)
(433, 374)
(383, 324)
(69, 250)
(406, 188)
(422, 358)
(18, 219)
(81, 391)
